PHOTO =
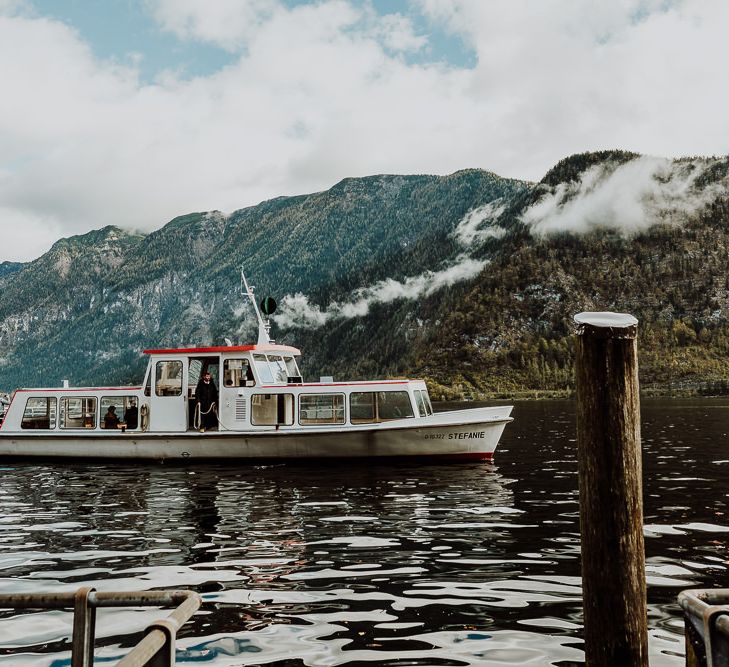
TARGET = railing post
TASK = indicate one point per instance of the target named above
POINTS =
(165, 657)
(156, 649)
(706, 618)
(611, 503)
(695, 650)
(84, 629)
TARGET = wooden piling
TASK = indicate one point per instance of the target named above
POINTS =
(611, 501)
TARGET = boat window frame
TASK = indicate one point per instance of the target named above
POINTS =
(334, 409)
(260, 362)
(157, 377)
(125, 398)
(428, 404)
(269, 395)
(248, 378)
(377, 418)
(403, 394)
(420, 402)
(51, 412)
(90, 418)
(278, 367)
(292, 368)
(373, 404)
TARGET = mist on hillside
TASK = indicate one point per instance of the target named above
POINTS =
(629, 197)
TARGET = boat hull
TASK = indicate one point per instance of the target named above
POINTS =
(464, 434)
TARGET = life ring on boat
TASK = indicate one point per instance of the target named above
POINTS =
(144, 416)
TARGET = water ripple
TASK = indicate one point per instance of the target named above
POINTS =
(403, 564)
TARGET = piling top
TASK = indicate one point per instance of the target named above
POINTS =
(611, 325)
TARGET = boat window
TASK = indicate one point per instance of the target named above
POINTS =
(39, 413)
(168, 380)
(194, 368)
(78, 412)
(278, 367)
(362, 407)
(272, 409)
(291, 368)
(126, 410)
(428, 404)
(264, 371)
(422, 410)
(148, 384)
(237, 373)
(321, 409)
(393, 405)
(377, 406)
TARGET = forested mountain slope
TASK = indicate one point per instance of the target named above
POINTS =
(86, 309)
(8, 268)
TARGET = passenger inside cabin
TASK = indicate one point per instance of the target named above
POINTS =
(131, 415)
(110, 418)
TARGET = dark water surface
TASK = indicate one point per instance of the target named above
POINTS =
(361, 564)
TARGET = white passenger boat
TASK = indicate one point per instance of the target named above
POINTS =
(262, 409)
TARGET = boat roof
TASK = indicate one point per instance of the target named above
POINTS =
(271, 348)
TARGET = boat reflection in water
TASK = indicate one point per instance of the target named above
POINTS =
(299, 562)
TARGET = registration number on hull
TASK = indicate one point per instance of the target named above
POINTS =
(456, 436)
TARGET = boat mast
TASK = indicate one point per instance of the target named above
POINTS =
(264, 326)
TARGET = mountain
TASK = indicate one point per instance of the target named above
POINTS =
(86, 309)
(7, 269)
(470, 280)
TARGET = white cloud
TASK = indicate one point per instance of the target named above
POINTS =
(9, 7)
(231, 24)
(397, 34)
(629, 198)
(23, 230)
(322, 91)
(571, 76)
(227, 23)
(297, 311)
(477, 225)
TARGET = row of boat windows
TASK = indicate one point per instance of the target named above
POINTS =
(271, 369)
(117, 412)
(121, 412)
(365, 407)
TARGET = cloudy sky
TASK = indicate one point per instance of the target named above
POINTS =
(130, 112)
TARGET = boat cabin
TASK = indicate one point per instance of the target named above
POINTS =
(260, 387)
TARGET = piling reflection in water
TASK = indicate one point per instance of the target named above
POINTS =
(351, 563)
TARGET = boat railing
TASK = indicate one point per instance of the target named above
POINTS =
(156, 649)
(706, 617)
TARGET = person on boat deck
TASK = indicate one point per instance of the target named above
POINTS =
(131, 415)
(110, 418)
(206, 393)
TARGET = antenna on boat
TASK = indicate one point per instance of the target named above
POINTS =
(264, 326)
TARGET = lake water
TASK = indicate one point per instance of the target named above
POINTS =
(361, 564)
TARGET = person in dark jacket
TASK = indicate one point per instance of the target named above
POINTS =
(206, 394)
(131, 416)
(111, 419)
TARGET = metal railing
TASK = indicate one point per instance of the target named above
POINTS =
(156, 649)
(706, 614)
